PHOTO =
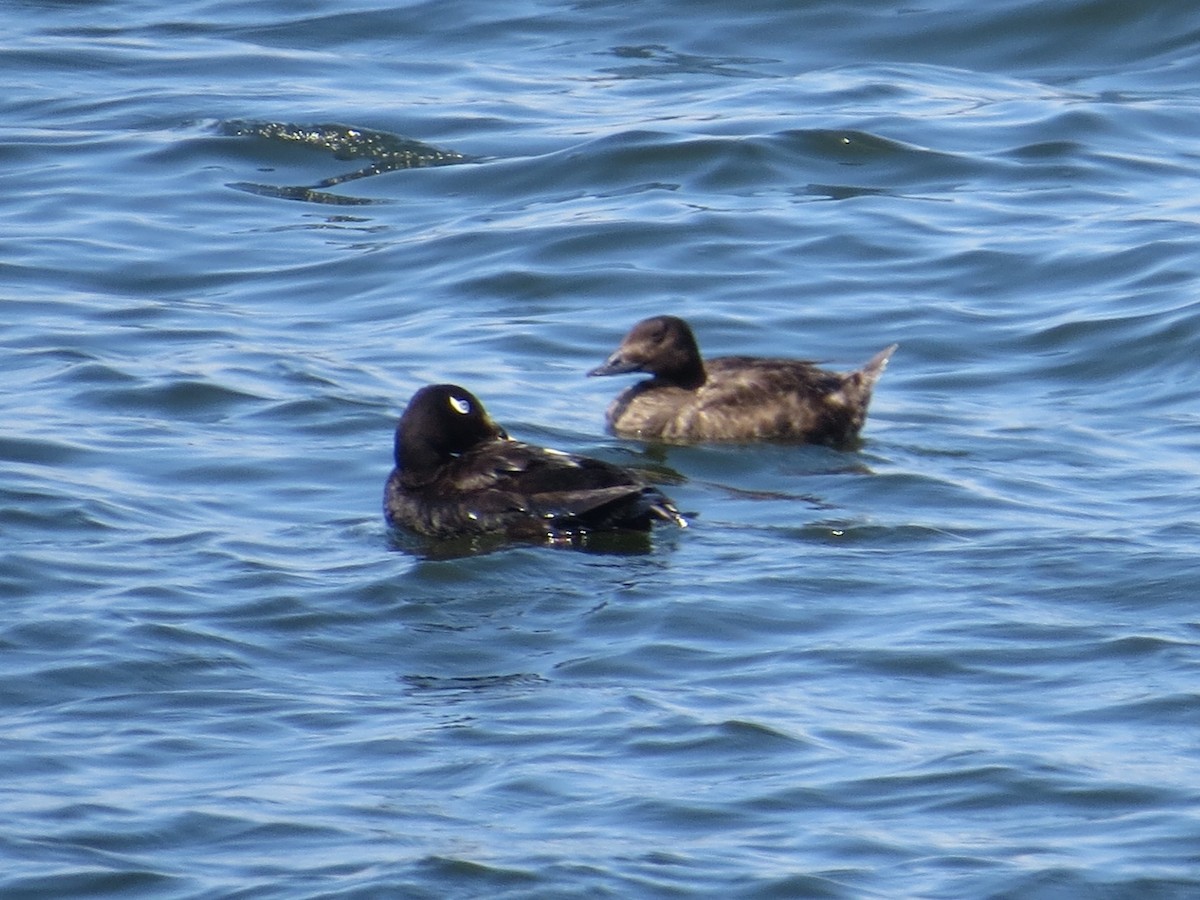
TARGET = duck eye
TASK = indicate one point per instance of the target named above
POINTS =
(460, 405)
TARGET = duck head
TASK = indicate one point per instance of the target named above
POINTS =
(441, 421)
(661, 345)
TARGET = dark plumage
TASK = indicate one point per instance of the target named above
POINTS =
(732, 398)
(458, 473)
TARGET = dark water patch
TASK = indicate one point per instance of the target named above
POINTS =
(475, 876)
(97, 882)
(302, 194)
(386, 152)
(95, 374)
(347, 143)
(1120, 349)
(847, 147)
(1061, 882)
(1088, 37)
(1177, 710)
(994, 787)
(833, 884)
(471, 686)
(659, 61)
(909, 664)
(183, 397)
(845, 191)
(40, 452)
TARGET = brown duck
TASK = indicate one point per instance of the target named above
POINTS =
(732, 398)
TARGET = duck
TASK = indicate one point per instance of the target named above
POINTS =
(458, 473)
(732, 398)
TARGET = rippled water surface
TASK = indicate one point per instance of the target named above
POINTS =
(959, 662)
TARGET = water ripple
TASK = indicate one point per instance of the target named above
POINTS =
(957, 663)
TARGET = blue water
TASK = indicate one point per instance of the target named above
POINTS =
(961, 662)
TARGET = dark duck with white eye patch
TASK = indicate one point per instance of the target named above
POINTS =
(458, 473)
(732, 398)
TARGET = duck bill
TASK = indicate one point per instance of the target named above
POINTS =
(615, 365)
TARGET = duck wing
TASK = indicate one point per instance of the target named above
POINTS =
(516, 485)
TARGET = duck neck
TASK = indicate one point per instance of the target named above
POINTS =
(416, 460)
(689, 376)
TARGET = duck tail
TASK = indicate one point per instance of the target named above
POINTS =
(855, 395)
(665, 510)
(870, 373)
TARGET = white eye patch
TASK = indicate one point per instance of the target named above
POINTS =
(460, 405)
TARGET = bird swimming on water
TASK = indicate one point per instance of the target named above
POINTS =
(732, 398)
(458, 473)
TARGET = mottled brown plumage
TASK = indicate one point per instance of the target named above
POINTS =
(732, 398)
(458, 473)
